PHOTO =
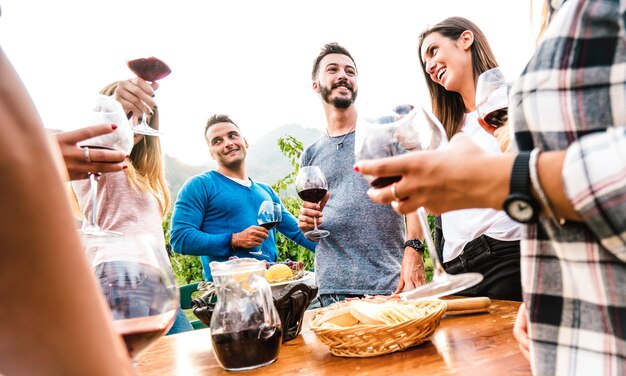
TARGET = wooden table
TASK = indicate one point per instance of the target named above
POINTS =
(478, 344)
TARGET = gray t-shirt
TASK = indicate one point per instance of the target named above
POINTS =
(363, 253)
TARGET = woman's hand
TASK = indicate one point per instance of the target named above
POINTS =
(136, 96)
(80, 162)
(520, 331)
(459, 176)
(503, 135)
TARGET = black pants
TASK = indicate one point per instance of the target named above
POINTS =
(498, 261)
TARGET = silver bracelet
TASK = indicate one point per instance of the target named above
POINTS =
(534, 181)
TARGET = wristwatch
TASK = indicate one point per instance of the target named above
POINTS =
(520, 205)
(417, 245)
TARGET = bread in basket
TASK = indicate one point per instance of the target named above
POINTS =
(376, 326)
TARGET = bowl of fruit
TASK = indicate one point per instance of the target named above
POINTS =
(281, 274)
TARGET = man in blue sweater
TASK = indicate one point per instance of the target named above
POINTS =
(215, 215)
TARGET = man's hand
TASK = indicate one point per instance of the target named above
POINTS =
(250, 237)
(311, 212)
(412, 272)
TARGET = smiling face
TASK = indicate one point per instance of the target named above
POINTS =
(448, 62)
(336, 80)
(226, 144)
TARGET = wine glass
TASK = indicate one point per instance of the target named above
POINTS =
(150, 69)
(269, 216)
(138, 285)
(311, 186)
(106, 110)
(492, 99)
(397, 132)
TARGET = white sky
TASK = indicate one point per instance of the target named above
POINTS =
(250, 59)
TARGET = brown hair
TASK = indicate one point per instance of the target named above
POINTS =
(218, 118)
(448, 106)
(329, 48)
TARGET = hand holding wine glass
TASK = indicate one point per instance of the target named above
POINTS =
(385, 132)
(139, 287)
(150, 69)
(312, 186)
(269, 216)
(137, 97)
(492, 100)
(415, 131)
(106, 111)
(100, 160)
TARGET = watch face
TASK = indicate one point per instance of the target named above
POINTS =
(520, 210)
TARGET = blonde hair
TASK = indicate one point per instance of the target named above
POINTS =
(146, 171)
(544, 19)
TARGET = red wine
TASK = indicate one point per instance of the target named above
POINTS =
(138, 333)
(385, 181)
(150, 69)
(312, 194)
(269, 225)
(247, 348)
(498, 117)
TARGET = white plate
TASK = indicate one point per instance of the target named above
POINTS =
(307, 275)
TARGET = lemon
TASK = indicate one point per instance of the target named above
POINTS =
(278, 272)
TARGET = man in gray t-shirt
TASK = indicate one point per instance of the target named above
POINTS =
(365, 252)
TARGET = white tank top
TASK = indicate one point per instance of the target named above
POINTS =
(462, 226)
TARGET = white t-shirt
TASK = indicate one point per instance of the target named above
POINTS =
(462, 226)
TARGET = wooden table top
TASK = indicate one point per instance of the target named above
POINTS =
(476, 344)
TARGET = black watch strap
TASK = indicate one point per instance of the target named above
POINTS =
(415, 244)
(520, 205)
(520, 177)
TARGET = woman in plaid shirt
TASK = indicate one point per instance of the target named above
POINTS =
(569, 104)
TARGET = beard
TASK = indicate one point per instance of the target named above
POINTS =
(342, 103)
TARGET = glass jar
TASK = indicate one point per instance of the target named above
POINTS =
(245, 327)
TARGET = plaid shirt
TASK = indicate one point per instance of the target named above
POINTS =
(572, 96)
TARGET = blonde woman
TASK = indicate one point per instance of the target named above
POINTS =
(137, 199)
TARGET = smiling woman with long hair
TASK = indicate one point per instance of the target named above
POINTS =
(136, 200)
(453, 53)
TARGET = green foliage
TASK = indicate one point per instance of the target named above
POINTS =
(428, 262)
(187, 269)
(288, 249)
(291, 149)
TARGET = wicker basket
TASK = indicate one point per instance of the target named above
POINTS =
(363, 340)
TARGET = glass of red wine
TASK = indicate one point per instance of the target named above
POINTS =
(492, 99)
(150, 69)
(269, 216)
(399, 130)
(138, 286)
(312, 186)
(107, 110)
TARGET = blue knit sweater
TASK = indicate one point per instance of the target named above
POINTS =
(211, 207)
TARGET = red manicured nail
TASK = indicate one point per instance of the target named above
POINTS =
(114, 126)
(125, 167)
(356, 168)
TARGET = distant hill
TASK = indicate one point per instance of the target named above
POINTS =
(265, 162)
